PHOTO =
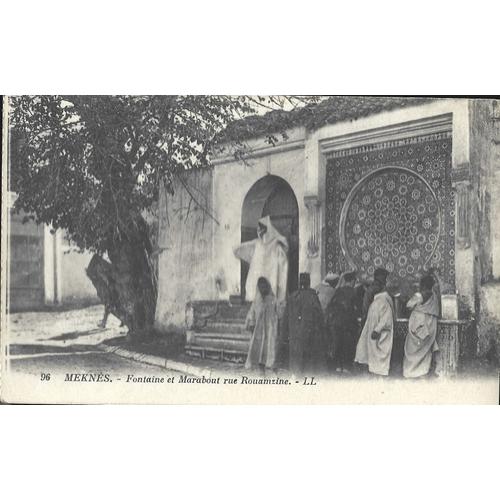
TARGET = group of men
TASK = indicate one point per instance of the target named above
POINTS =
(341, 326)
(356, 313)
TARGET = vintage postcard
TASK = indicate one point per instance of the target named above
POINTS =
(250, 249)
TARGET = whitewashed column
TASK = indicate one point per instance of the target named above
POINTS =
(311, 229)
(461, 183)
(48, 266)
(313, 205)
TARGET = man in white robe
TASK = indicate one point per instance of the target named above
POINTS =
(420, 343)
(375, 343)
(262, 321)
(267, 256)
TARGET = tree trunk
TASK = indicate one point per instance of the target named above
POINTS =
(127, 283)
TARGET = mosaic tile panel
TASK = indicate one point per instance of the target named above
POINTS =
(392, 206)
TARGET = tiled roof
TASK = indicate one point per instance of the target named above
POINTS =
(331, 110)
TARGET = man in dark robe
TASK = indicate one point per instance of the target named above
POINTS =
(342, 325)
(303, 327)
(360, 290)
(378, 285)
(327, 288)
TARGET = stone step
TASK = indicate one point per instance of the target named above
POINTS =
(244, 335)
(236, 328)
(204, 311)
(226, 314)
(218, 331)
(232, 335)
(236, 300)
(232, 312)
(218, 345)
(221, 344)
(216, 354)
(228, 321)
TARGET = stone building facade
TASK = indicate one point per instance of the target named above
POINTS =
(45, 269)
(405, 187)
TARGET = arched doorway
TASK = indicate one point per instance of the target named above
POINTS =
(273, 196)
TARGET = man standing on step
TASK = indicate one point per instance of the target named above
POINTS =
(262, 321)
(267, 256)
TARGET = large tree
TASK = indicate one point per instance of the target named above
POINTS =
(93, 166)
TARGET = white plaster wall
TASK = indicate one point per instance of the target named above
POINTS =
(459, 108)
(302, 165)
(232, 181)
(495, 196)
(65, 279)
(185, 240)
(75, 285)
(489, 320)
(48, 266)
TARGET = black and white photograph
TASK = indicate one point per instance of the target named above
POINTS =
(274, 249)
(249, 250)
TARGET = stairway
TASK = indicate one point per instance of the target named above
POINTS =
(217, 331)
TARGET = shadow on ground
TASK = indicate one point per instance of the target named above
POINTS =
(28, 349)
(75, 335)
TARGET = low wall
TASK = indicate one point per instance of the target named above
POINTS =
(76, 287)
(489, 322)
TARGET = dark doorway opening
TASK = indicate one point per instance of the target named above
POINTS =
(272, 196)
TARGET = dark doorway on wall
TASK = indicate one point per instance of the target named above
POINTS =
(273, 196)
(26, 287)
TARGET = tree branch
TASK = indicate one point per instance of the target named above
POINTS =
(197, 203)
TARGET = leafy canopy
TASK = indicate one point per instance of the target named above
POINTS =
(92, 164)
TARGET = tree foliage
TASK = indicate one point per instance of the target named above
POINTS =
(92, 165)
(83, 163)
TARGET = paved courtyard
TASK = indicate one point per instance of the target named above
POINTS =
(61, 328)
(59, 342)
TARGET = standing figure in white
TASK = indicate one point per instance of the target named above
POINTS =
(267, 256)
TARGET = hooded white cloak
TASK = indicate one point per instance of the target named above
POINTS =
(421, 342)
(267, 256)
